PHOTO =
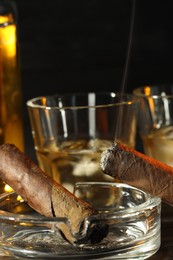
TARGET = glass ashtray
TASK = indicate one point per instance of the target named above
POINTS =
(132, 217)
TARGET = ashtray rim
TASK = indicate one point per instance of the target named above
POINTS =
(154, 200)
(120, 221)
(150, 202)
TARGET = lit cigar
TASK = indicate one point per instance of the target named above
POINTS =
(45, 195)
(139, 170)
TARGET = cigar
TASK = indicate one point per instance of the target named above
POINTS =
(139, 170)
(46, 196)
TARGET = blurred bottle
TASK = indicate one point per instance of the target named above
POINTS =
(11, 123)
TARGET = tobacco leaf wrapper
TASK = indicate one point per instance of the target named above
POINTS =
(43, 194)
(139, 170)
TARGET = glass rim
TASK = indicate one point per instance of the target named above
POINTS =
(132, 99)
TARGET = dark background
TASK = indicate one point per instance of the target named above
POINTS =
(74, 45)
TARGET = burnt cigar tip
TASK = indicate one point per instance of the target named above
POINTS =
(106, 157)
